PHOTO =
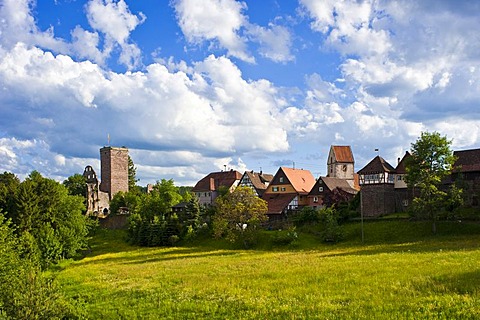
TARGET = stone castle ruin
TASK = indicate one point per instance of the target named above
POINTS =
(114, 178)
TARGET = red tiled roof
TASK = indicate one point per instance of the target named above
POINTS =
(301, 180)
(343, 153)
(377, 165)
(467, 160)
(215, 180)
(277, 202)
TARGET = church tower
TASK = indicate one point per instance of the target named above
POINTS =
(114, 170)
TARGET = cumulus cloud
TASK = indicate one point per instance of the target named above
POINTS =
(209, 110)
(214, 20)
(116, 22)
(224, 24)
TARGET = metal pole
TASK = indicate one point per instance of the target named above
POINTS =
(361, 214)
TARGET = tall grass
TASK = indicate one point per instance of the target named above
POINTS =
(400, 272)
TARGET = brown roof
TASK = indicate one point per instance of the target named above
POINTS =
(301, 180)
(259, 180)
(377, 165)
(215, 180)
(401, 165)
(277, 202)
(332, 183)
(467, 160)
(343, 153)
(342, 184)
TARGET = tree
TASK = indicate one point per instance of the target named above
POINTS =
(76, 185)
(26, 292)
(43, 208)
(8, 186)
(239, 215)
(132, 175)
(431, 160)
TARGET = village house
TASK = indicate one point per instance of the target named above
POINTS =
(257, 181)
(328, 191)
(288, 191)
(466, 172)
(209, 187)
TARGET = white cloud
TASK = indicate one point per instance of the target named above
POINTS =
(115, 20)
(214, 20)
(275, 42)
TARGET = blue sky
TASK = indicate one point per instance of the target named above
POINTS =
(193, 86)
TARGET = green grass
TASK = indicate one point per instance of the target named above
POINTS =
(400, 272)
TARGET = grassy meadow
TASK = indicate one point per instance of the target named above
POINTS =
(401, 271)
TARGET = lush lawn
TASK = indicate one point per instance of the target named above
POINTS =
(400, 272)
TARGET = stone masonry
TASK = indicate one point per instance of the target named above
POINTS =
(114, 170)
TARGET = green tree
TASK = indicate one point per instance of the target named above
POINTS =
(25, 292)
(8, 186)
(132, 175)
(239, 215)
(44, 208)
(76, 185)
(431, 160)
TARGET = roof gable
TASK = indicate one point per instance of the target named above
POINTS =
(301, 180)
(277, 202)
(377, 165)
(467, 160)
(332, 183)
(401, 165)
(215, 180)
(259, 180)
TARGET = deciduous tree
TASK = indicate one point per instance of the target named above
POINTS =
(431, 161)
(239, 215)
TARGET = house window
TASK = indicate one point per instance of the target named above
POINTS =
(399, 178)
(281, 179)
(320, 189)
(275, 189)
(315, 199)
(283, 189)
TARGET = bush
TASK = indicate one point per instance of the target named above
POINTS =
(285, 237)
(307, 215)
(332, 232)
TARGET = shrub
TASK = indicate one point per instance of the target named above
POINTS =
(332, 232)
(285, 237)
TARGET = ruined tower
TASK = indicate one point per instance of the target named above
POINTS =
(114, 170)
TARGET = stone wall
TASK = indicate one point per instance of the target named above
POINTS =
(377, 199)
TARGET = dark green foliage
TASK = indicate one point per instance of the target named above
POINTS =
(76, 185)
(152, 222)
(332, 232)
(9, 184)
(25, 293)
(132, 176)
(44, 209)
(307, 215)
(128, 201)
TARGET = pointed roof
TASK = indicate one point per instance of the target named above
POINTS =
(277, 202)
(301, 180)
(342, 153)
(259, 180)
(377, 165)
(215, 180)
(332, 183)
(467, 160)
(401, 165)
